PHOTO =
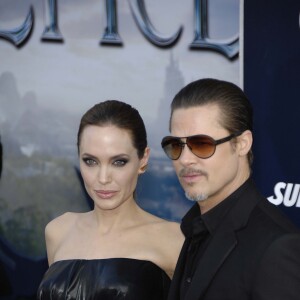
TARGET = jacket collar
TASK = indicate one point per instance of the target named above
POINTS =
(221, 244)
(224, 240)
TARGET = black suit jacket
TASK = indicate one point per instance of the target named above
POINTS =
(253, 254)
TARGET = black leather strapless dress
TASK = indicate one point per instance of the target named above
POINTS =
(104, 279)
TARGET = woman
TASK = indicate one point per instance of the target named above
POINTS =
(117, 250)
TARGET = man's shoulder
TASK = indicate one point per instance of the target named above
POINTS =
(273, 217)
(266, 224)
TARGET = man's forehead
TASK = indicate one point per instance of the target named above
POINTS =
(210, 109)
(195, 119)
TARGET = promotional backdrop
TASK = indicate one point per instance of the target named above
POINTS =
(272, 82)
(57, 59)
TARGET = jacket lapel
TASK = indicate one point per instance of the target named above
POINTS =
(224, 240)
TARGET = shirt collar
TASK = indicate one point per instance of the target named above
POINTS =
(213, 217)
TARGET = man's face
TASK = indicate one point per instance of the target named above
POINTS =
(211, 180)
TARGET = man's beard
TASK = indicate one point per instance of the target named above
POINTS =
(196, 197)
(193, 196)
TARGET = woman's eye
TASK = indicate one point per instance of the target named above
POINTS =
(89, 161)
(120, 162)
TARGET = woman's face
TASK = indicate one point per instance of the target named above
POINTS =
(109, 165)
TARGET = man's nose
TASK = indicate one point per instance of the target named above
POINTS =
(187, 157)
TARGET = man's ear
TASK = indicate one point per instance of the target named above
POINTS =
(244, 142)
(144, 161)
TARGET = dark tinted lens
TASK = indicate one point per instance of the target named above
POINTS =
(172, 147)
(201, 146)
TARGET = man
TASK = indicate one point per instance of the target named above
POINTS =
(238, 246)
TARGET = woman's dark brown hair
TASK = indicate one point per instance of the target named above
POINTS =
(119, 114)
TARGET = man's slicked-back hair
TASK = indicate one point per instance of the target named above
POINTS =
(236, 110)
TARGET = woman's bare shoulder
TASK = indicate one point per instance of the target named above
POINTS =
(57, 231)
(165, 229)
(62, 226)
(163, 223)
(167, 239)
(61, 222)
(171, 229)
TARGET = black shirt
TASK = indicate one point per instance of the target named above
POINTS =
(198, 230)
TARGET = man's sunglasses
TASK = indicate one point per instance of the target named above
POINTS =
(203, 146)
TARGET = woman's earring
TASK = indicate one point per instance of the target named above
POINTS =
(144, 168)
